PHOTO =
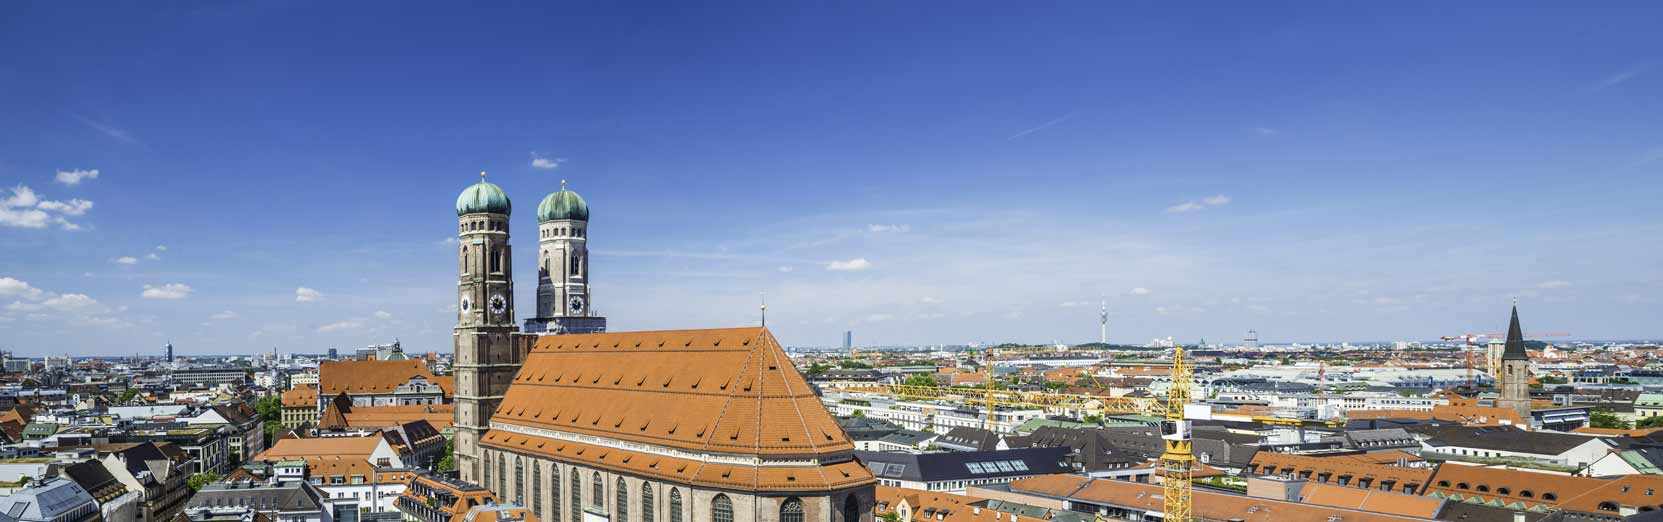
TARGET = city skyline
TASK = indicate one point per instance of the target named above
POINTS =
(1309, 173)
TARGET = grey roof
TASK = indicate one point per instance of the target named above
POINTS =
(47, 499)
(289, 496)
(907, 437)
(976, 439)
(866, 428)
(1091, 447)
(1502, 438)
(961, 465)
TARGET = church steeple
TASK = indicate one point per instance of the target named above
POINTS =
(1515, 339)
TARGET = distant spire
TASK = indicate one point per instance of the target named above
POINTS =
(1515, 338)
(562, 185)
(482, 175)
(764, 309)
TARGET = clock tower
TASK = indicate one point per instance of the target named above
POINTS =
(485, 335)
(563, 299)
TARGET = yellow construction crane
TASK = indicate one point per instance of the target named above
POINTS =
(1178, 462)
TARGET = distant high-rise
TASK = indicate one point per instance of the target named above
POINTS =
(169, 352)
(848, 340)
(1103, 323)
(1252, 339)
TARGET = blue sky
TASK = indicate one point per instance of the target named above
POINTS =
(283, 175)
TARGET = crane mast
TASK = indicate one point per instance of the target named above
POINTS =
(1178, 462)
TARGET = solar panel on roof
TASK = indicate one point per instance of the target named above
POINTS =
(1005, 466)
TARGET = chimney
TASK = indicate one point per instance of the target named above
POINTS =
(1518, 516)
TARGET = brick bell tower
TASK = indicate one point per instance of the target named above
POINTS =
(486, 354)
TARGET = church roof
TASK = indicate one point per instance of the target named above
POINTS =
(563, 205)
(1515, 340)
(483, 196)
(374, 377)
(722, 391)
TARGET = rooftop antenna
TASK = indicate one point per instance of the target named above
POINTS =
(764, 309)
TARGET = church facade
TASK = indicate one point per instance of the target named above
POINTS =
(581, 425)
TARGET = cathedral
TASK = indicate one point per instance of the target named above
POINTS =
(578, 424)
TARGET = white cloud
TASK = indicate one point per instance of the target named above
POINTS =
(109, 130)
(879, 229)
(929, 300)
(1073, 304)
(167, 291)
(383, 315)
(1553, 285)
(126, 260)
(225, 315)
(19, 288)
(859, 263)
(540, 161)
(349, 324)
(152, 256)
(1623, 76)
(74, 177)
(306, 295)
(1266, 131)
(161, 248)
(786, 269)
(24, 209)
(1139, 291)
(877, 318)
(1203, 204)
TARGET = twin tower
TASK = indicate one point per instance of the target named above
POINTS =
(486, 288)
(489, 347)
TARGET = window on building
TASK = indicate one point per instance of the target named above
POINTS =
(598, 499)
(851, 509)
(577, 497)
(791, 510)
(622, 515)
(519, 480)
(646, 502)
(554, 491)
(675, 505)
(721, 509)
(502, 475)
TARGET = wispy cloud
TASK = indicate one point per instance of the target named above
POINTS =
(125, 260)
(25, 209)
(879, 229)
(223, 316)
(338, 326)
(1203, 204)
(1265, 131)
(1553, 285)
(168, 291)
(1139, 291)
(929, 300)
(306, 295)
(1042, 126)
(1622, 76)
(108, 130)
(75, 177)
(850, 265)
(540, 161)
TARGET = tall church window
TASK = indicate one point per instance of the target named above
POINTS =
(496, 260)
(791, 510)
(485, 480)
(675, 505)
(577, 497)
(537, 490)
(519, 479)
(502, 475)
(599, 498)
(851, 509)
(464, 260)
(554, 492)
(646, 502)
(577, 264)
(721, 509)
(622, 515)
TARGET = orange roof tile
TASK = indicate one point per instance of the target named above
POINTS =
(720, 391)
(1552, 490)
(360, 447)
(1271, 463)
(441, 416)
(303, 396)
(1208, 505)
(1372, 500)
(808, 477)
(374, 377)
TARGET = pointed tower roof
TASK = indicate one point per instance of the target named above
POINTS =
(1515, 339)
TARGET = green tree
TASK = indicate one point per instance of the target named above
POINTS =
(201, 479)
(817, 369)
(1650, 422)
(447, 463)
(270, 408)
(1604, 418)
(851, 364)
(919, 379)
(127, 396)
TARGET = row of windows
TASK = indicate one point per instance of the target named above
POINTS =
(474, 226)
(721, 507)
(1499, 491)
(562, 231)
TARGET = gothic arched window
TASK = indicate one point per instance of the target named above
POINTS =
(577, 264)
(646, 502)
(721, 509)
(622, 515)
(502, 475)
(577, 497)
(554, 492)
(851, 509)
(791, 510)
(537, 490)
(675, 505)
(599, 498)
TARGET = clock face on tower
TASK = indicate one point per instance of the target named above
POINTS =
(498, 305)
(575, 304)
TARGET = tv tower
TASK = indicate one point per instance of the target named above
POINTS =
(1103, 323)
